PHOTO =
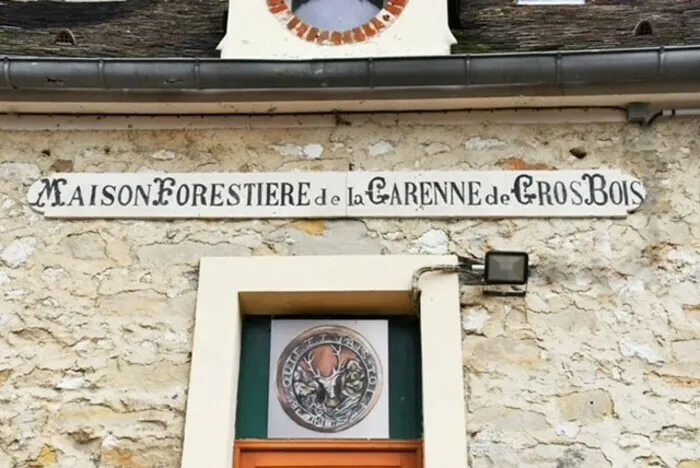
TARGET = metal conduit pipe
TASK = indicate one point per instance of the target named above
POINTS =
(671, 113)
(680, 112)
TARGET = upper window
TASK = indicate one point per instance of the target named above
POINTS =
(335, 15)
(644, 28)
(336, 22)
(340, 378)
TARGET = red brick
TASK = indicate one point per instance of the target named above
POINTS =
(369, 30)
(391, 8)
(293, 23)
(313, 34)
(377, 24)
(301, 30)
(358, 35)
(324, 36)
(336, 38)
(347, 37)
(277, 8)
(400, 3)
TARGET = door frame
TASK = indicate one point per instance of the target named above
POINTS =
(231, 287)
(260, 445)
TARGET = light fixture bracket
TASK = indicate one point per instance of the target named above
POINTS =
(475, 272)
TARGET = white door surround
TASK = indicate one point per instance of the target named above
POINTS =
(230, 287)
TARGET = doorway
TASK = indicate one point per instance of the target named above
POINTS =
(328, 454)
(229, 381)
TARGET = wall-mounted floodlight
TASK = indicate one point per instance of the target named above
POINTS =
(499, 268)
(503, 267)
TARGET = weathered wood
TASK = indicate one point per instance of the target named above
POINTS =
(193, 28)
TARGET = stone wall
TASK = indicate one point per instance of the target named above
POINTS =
(599, 366)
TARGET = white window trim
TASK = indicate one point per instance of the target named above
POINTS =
(230, 287)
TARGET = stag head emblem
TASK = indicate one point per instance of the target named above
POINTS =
(328, 379)
(330, 388)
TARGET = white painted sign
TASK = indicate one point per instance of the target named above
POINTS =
(431, 194)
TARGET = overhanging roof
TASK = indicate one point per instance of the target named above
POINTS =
(524, 79)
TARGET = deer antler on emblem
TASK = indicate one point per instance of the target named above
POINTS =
(340, 364)
(309, 360)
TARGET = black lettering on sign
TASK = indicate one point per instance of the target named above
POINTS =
(493, 198)
(596, 192)
(165, 189)
(199, 193)
(257, 198)
(271, 194)
(50, 192)
(635, 187)
(410, 195)
(419, 194)
(93, 194)
(592, 189)
(216, 198)
(354, 199)
(109, 194)
(576, 197)
(321, 199)
(543, 195)
(303, 197)
(374, 194)
(125, 195)
(457, 190)
(432, 193)
(560, 193)
(520, 189)
(474, 199)
(286, 198)
(182, 195)
(249, 193)
(77, 197)
(234, 195)
(527, 189)
(616, 192)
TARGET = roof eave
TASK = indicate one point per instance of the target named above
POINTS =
(520, 77)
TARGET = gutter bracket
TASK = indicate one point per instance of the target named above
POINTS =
(639, 113)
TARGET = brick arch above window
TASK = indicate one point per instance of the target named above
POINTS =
(315, 33)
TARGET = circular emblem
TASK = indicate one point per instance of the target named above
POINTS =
(328, 378)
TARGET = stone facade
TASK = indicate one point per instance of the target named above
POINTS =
(599, 366)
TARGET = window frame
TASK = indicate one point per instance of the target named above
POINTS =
(230, 287)
(402, 375)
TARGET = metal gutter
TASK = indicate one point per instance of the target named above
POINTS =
(587, 72)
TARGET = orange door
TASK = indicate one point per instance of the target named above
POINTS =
(332, 454)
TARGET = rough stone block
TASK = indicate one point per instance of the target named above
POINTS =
(586, 407)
